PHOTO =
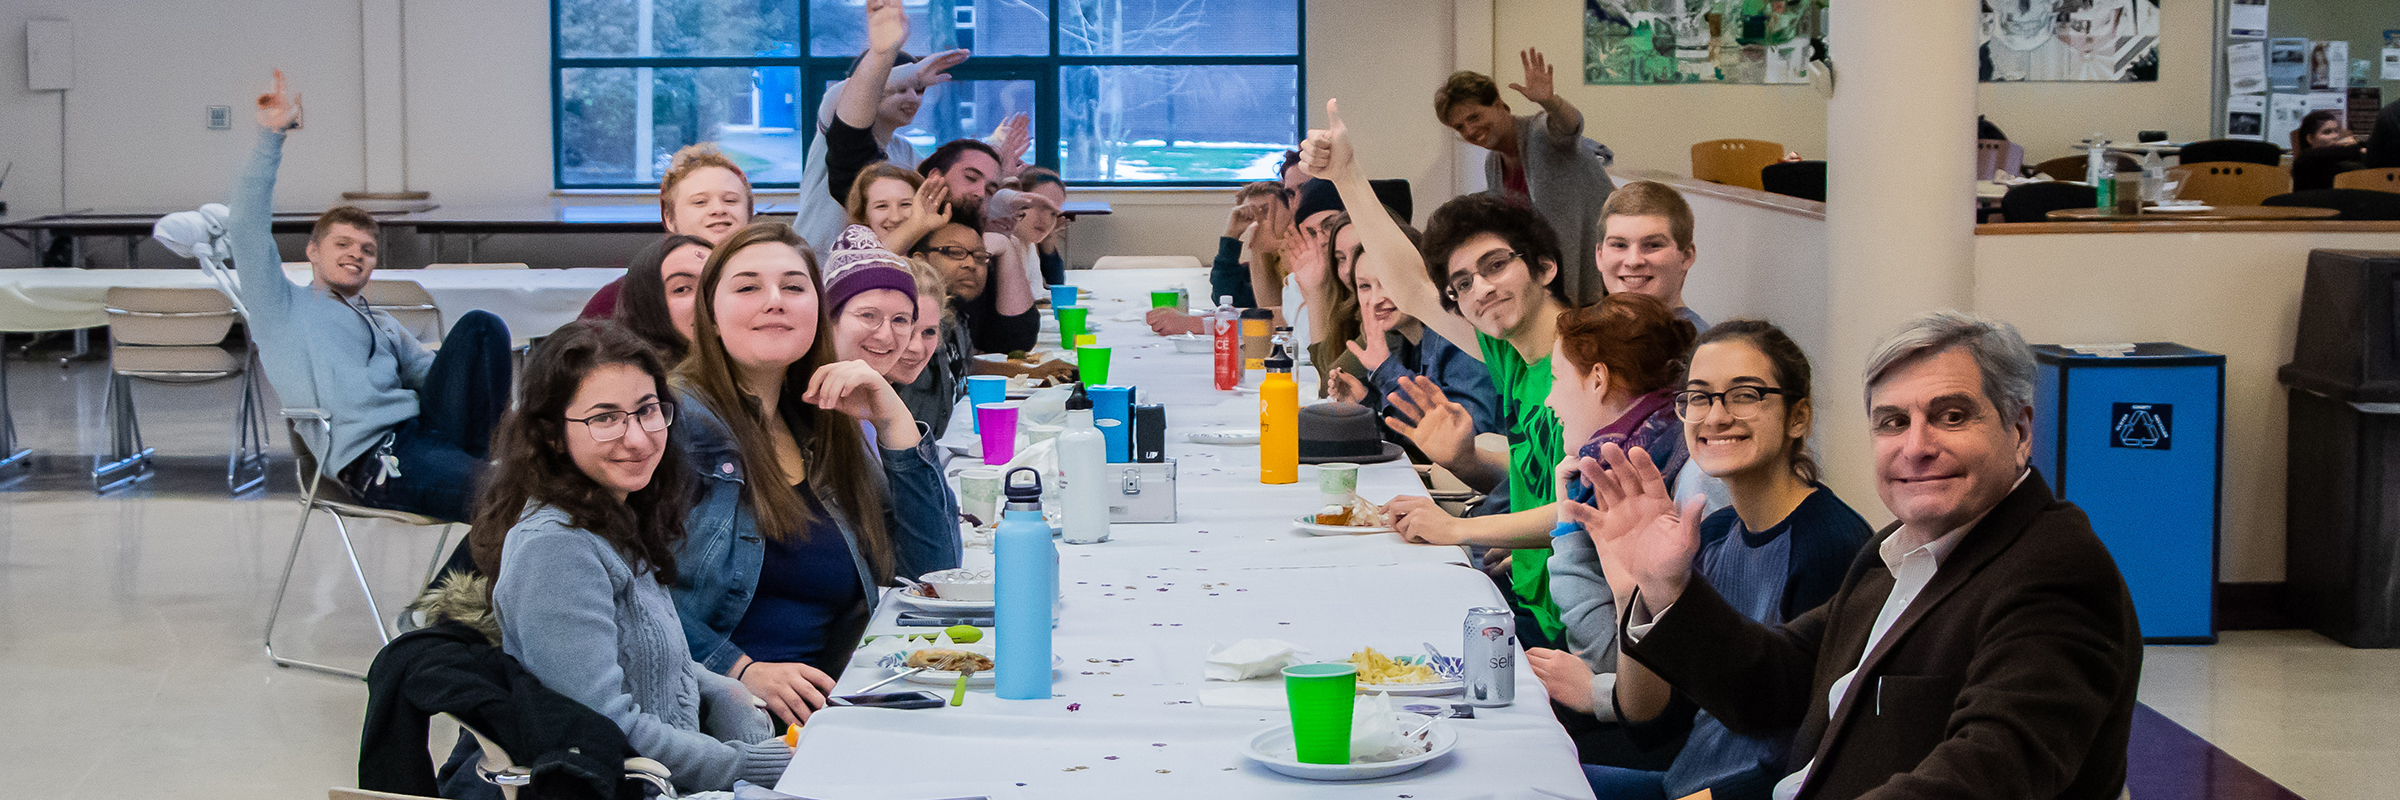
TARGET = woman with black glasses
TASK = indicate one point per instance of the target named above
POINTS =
(1778, 551)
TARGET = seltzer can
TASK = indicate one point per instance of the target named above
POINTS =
(1490, 658)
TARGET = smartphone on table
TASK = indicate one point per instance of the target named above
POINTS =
(915, 699)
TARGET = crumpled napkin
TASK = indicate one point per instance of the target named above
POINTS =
(1251, 658)
(1375, 733)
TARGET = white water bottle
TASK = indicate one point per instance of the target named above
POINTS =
(1083, 466)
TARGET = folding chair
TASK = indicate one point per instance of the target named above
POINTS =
(174, 336)
(409, 303)
(12, 457)
(335, 499)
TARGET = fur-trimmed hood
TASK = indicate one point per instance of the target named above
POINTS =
(459, 597)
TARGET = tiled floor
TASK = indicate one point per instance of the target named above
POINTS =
(130, 636)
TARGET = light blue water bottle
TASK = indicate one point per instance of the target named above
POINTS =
(1027, 588)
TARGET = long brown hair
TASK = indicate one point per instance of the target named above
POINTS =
(530, 463)
(1341, 296)
(642, 300)
(831, 444)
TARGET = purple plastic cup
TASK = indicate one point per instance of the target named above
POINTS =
(997, 424)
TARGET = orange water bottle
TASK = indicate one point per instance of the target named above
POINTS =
(1278, 421)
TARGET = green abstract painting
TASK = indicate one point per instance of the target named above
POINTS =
(1701, 41)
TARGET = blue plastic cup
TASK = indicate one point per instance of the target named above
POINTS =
(982, 389)
(1062, 296)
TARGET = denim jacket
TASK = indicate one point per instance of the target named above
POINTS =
(718, 563)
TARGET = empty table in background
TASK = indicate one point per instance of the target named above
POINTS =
(2217, 214)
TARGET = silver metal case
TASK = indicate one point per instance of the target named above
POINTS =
(1144, 492)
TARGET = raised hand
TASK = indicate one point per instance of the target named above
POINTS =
(1439, 426)
(934, 70)
(1375, 349)
(929, 212)
(279, 108)
(1037, 218)
(1274, 220)
(1636, 526)
(1303, 253)
(887, 26)
(1243, 214)
(1014, 138)
(1539, 84)
(1326, 154)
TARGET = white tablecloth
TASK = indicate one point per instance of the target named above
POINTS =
(1154, 599)
(533, 302)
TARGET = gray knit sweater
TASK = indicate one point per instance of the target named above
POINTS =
(579, 618)
(1568, 178)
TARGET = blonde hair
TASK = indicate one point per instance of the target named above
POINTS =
(1651, 199)
(856, 203)
(693, 158)
(930, 283)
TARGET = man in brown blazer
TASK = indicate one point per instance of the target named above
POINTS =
(1983, 646)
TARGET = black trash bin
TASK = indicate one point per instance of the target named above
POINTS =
(2342, 452)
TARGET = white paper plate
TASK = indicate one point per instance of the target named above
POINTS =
(1224, 437)
(908, 594)
(936, 677)
(1271, 748)
(1413, 689)
(2177, 209)
(1307, 523)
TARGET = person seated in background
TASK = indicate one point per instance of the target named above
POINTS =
(580, 528)
(897, 205)
(1043, 183)
(929, 375)
(1986, 648)
(704, 195)
(410, 429)
(1229, 273)
(1312, 282)
(1646, 245)
(972, 168)
(1391, 347)
(1014, 226)
(1781, 548)
(1541, 161)
(821, 214)
(2383, 142)
(799, 518)
(871, 298)
(1489, 272)
(991, 310)
(2323, 147)
(657, 302)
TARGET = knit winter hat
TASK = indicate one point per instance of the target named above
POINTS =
(859, 263)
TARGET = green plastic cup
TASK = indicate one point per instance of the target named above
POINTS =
(1092, 361)
(1166, 298)
(1070, 322)
(1321, 696)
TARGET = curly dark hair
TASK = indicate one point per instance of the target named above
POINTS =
(530, 463)
(1470, 215)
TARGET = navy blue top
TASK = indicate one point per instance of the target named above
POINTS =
(806, 584)
(1771, 576)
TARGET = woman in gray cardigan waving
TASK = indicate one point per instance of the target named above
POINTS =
(580, 523)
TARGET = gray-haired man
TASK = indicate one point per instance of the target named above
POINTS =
(1984, 647)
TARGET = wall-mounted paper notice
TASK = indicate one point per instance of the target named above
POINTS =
(2246, 67)
(2246, 117)
(2283, 116)
(2287, 64)
(2391, 63)
(2248, 18)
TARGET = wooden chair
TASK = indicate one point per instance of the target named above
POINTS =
(2070, 168)
(1997, 155)
(2380, 180)
(2230, 183)
(1734, 162)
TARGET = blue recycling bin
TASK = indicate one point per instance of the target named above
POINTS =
(2136, 439)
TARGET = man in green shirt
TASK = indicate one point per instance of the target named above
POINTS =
(1488, 272)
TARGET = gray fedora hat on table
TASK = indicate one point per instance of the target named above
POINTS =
(1338, 432)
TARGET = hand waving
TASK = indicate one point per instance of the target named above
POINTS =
(1440, 427)
(1636, 526)
(887, 26)
(1326, 154)
(1014, 138)
(1539, 78)
(279, 109)
(934, 70)
(1375, 350)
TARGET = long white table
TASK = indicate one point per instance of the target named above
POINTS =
(533, 302)
(1140, 612)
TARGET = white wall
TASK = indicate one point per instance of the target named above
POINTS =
(476, 101)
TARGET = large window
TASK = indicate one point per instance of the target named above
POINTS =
(1139, 92)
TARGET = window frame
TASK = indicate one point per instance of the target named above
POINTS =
(812, 71)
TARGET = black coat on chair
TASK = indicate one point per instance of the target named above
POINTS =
(2355, 204)
(1801, 179)
(2242, 150)
(2033, 202)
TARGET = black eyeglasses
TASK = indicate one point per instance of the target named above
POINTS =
(1740, 401)
(957, 252)
(1490, 267)
(610, 426)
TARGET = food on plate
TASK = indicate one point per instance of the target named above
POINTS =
(1358, 513)
(948, 660)
(1375, 668)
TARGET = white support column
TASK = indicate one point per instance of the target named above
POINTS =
(382, 92)
(1900, 200)
(1472, 24)
(644, 90)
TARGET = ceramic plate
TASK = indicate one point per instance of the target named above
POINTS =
(1272, 748)
(908, 594)
(1307, 523)
(1446, 668)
